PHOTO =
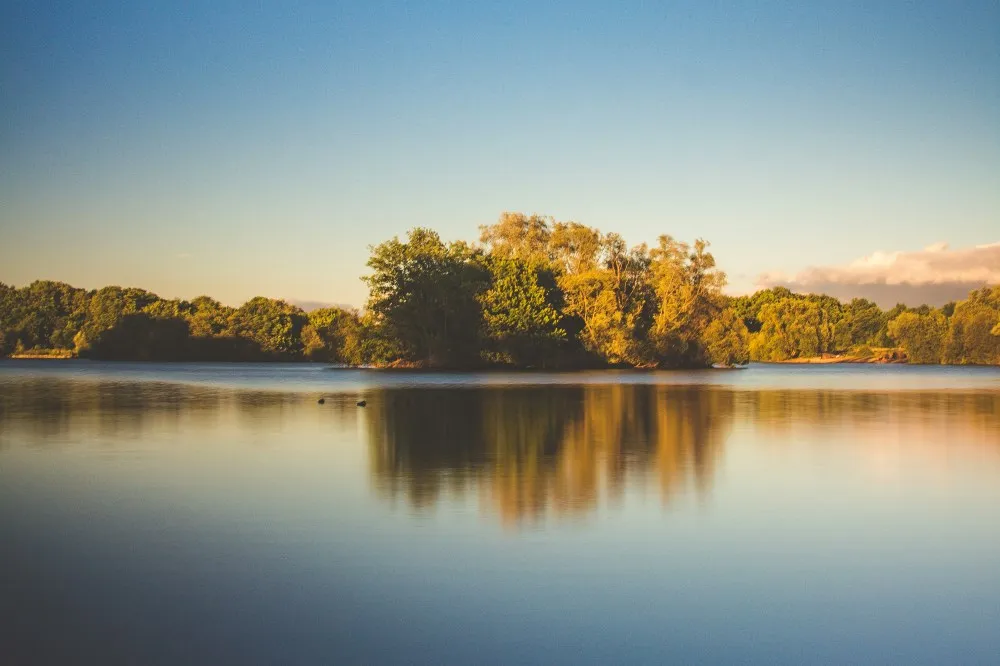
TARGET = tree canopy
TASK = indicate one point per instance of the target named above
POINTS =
(535, 292)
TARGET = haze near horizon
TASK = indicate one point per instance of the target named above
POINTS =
(241, 149)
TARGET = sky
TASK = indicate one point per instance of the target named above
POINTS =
(259, 148)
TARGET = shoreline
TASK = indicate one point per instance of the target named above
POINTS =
(831, 360)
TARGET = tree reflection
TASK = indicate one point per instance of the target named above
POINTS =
(558, 451)
(932, 413)
(47, 412)
(532, 451)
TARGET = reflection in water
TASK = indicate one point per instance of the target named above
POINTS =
(47, 412)
(560, 450)
(526, 453)
(841, 523)
(533, 450)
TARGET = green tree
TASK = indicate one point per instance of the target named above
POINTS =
(425, 295)
(273, 325)
(40, 315)
(164, 309)
(520, 325)
(970, 338)
(105, 309)
(920, 335)
(793, 328)
(863, 323)
(333, 335)
(748, 307)
(726, 340)
(207, 317)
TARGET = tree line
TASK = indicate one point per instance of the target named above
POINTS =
(534, 292)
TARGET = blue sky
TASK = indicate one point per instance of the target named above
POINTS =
(253, 148)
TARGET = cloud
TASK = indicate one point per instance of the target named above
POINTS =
(935, 275)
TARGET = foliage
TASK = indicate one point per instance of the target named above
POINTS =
(207, 317)
(520, 325)
(726, 340)
(273, 325)
(748, 307)
(862, 323)
(688, 291)
(425, 295)
(536, 293)
(519, 236)
(333, 335)
(921, 335)
(793, 328)
(971, 338)
(142, 337)
(606, 290)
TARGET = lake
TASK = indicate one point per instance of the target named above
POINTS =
(211, 514)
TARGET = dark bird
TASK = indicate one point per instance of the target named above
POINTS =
(362, 403)
(321, 401)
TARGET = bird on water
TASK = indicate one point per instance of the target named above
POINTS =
(362, 403)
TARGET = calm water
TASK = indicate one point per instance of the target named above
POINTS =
(183, 514)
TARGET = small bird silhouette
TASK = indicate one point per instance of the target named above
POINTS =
(362, 403)
(321, 401)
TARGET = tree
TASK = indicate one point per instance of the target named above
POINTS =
(520, 236)
(970, 338)
(142, 337)
(688, 290)
(425, 295)
(748, 307)
(164, 309)
(606, 290)
(207, 317)
(575, 248)
(793, 328)
(726, 340)
(921, 335)
(273, 325)
(520, 325)
(105, 309)
(862, 323)
(333, 335)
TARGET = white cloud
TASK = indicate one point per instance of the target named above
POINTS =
(933, 275)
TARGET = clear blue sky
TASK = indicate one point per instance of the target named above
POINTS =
(253, 148)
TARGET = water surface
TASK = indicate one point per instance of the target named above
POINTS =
(219, 514)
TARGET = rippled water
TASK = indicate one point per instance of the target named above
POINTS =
(219, 514)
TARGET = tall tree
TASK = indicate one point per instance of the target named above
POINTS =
(688, 290)
(424, 294)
